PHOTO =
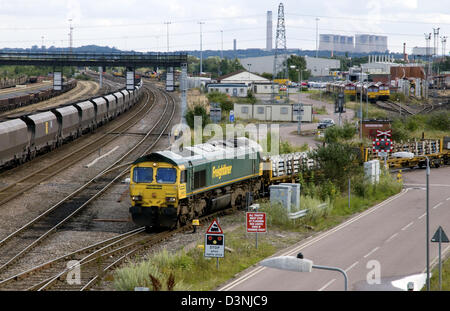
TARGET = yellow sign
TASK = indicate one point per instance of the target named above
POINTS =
(281, 81)
(195, 222)
(221, 171)
(46, 127)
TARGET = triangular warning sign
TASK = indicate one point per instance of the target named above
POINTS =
(443, 236)
(214, 228)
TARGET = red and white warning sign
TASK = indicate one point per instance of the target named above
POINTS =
(256, 222)
(214, 228)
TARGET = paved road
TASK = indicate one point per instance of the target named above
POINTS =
(392, 233)
(288, 131)
(28, 88)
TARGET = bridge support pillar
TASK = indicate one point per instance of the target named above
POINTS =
(57, 80)
(100, 70)
(183, 89)
(169, 79)
(130, 78)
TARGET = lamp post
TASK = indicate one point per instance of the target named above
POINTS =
(428, 224)
(167, 23)
(300, 106)
(201, 49)
(298, 264)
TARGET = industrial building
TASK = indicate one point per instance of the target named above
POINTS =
(269, 31)
(336, 43)
(317, 66)
(361, 43)
(370, 43)
(271, 112)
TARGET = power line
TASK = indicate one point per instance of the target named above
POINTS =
(366, 20)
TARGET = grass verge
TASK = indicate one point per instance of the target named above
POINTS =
(434, 281)
(191, 271)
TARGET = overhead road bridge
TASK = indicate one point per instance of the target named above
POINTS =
(129, 60)
(132, 60)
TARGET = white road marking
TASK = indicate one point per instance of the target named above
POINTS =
(448, 199)
(436, 259)
(405, 227)
(314, 240)
(437, 205)
(422, 215)
(326, 285)
(434, 185)
(371, 252)
(392, 236)
(351, 267)
(106, 154)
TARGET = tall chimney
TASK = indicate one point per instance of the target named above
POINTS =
(269, 31)
(404, 51)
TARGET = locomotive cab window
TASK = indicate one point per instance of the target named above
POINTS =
(142, 174)
(183, 177)
(166, 175)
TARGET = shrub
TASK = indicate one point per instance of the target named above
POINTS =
(198, 110)
(439, 121)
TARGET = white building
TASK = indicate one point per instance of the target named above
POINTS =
(242, 77)
(231, 89)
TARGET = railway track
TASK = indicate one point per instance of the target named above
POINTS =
(31, 180)
(93, 261)
(403, 109)
(20, 242)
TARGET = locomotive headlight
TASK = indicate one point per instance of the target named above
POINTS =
(136, 197)
(171, 199)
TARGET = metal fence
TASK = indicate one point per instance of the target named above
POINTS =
(304, 212)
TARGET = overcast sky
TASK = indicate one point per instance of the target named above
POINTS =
(139, 25)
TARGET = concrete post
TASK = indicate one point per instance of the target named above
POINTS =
(183, 89)
(100, 70)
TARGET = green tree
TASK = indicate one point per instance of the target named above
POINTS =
(267, 75)
(337, 162)
(198, 110)
(300, 63)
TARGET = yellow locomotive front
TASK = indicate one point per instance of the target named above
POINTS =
(155, 190)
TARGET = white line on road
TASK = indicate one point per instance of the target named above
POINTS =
(371, 252)
(437, 205)
(106, 154)
(436, 259)
(422, 216)
(317, 238)
(435, 185)
(352, 266)
(448, 199)
(405, 227)
(392, 236)
(326, 285)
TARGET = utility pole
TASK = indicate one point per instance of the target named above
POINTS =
(428, 224)
(70, 36)
(436, 40)
(443, 41)
(167, 23)
(221, 51)
(427, 71)
(201, 52)
(280, 45)
(317, 36)
(42, 46)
